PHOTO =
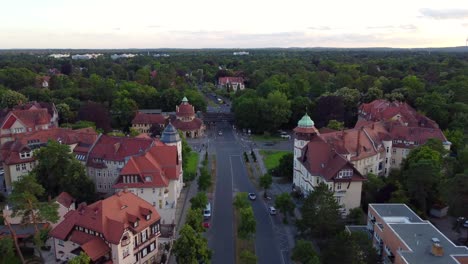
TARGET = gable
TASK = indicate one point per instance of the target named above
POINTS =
(9, 122)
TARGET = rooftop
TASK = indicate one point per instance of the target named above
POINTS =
(390, 212)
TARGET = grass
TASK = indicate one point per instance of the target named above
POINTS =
(192, 162)
(213, 174)
(266, 138)
(241, 244)
(271, 158)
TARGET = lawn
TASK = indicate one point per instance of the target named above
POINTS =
(271, 158)
(192, 163)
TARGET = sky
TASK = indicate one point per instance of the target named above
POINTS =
(232, 24)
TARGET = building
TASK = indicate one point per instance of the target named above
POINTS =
(109, 155)
(142, 122)
(186, 121)
(29, 117)
(42, 81)
(316, 161)
(231, 83)
(16, 156)
(123, 228)
(402, 237)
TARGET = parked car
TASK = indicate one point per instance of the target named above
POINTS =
(272, 210)
(220, 133)
(207, 211)
(252, 196)
(286, 136)
(206, 224)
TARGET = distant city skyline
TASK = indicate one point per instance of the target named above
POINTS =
(244, 24)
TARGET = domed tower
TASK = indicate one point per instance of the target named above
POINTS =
(170, 136)
(303, 133)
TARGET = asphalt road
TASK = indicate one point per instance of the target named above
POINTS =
(231, 178)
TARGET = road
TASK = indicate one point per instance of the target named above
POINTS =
(231, 178)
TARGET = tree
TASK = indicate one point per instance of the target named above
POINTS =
(96, 113)
(285, 204)
(11, 98)
(17, 78)
(278, 111)
(304, 253)
(265, 182)
(199, 201)
(247, 225)
(194, 219)
(80, 259)
(25, 202)
(240, 200)
(455, 193)
(422, 181)
(372, 94)
(329, 107)
(191, 247)
(185, 150)
(7, 252)
(65, 114)
(123, 110)
(204, 180)
(335, 125)
(285, 166)
(370, 189)
(356, 216)
(354, 248)
(247, 257)
(321, 216)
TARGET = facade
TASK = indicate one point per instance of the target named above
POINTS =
(402, 237)
(17, 158)
(109, 155)
(29, 117)
(232, 83)
(186, 121)
(156, 176)
(142, 122)
(120, 229)
(316, 161)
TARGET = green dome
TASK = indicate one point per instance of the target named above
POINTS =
(305, 121)
(184, 100)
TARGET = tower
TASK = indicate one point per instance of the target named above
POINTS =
(170, 136)
(303, 134)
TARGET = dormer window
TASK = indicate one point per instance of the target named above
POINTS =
(148, 217)
(346, 173)
(25, 155)
(148, 179)
(135, 224)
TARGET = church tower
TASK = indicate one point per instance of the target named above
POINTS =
(170, 136)
(303, 134)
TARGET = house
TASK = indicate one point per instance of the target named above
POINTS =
(27, 117)
(66, 204)
(402, 237)
(316, 161)
(186, 121)
(108, 156)
(231, 83)
(142, 122)
(42, 81)
(123, 228)
(17, 157)
(155, 176)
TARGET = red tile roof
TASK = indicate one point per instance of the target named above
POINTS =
(95, 248)
(225, 80)
(185, 110)
(110, 217)
(321, 159)
(160, 163)
(418, 135)
(32, 118)
(142, 118)
(65, 199)
(118, 148)
(195, 124)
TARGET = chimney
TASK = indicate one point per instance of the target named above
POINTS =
(437, 250)
(116, 146)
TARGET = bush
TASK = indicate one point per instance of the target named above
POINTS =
(189, 176)
(246, 158)
(254, 157)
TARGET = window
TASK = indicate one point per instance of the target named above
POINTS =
(160, 204)
(154, 204)
(143, 236)
(18, 168)
(388, 149)
(144, 252)
(141, 190)
(154, 190)
(160, 192)
(317, 180)
(152, 247)
(125, 252)
(23, 166)
(393, 161)
(338, 200)
(135, 224)
(148, 217)
(394, 150)
(338, 186)
(386, 160)
(61, 242)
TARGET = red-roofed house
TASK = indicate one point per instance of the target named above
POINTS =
(16, 156)
(142, 122)
(317, 161)
(233, 83)
(120, 229)
(109, 155)
(186, 121)
(155, 176)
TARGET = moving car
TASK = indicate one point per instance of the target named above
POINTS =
(220, 133)
(272, 210)
(252, 196)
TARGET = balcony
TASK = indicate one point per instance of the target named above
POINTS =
(148, 241)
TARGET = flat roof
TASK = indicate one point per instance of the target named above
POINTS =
(418, 237)
(392, 211)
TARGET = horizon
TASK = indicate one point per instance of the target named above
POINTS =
(207, 24)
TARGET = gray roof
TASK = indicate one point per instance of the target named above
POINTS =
(417, 236)
(150, 111)
(396, 210)
(170, 134)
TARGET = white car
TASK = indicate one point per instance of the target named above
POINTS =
(272, 210)
(207, 211)
(252, 196)
(220, 133)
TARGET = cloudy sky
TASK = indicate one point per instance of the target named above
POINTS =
(232, 24)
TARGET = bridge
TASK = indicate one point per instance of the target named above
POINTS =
(218, 117)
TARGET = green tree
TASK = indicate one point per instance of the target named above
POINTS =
(265, 182)
(199, 201)
(285, 204)
(123, 110)
(65, 114)
(354, 248)
(204, 180)
(7, 252)
(356, 216)
(194, 219)
(336, 125)
(247, 225)
(321, 215)
(191, 247)
(11, 98)
(278, 111)
(247, 257)
(455, 193)
(17, 78)
(240, 200)
(372, 94)
(285, 166)
(304, 253)
(371, 188)
(185, 150)
(80, 259)
(25, 202)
